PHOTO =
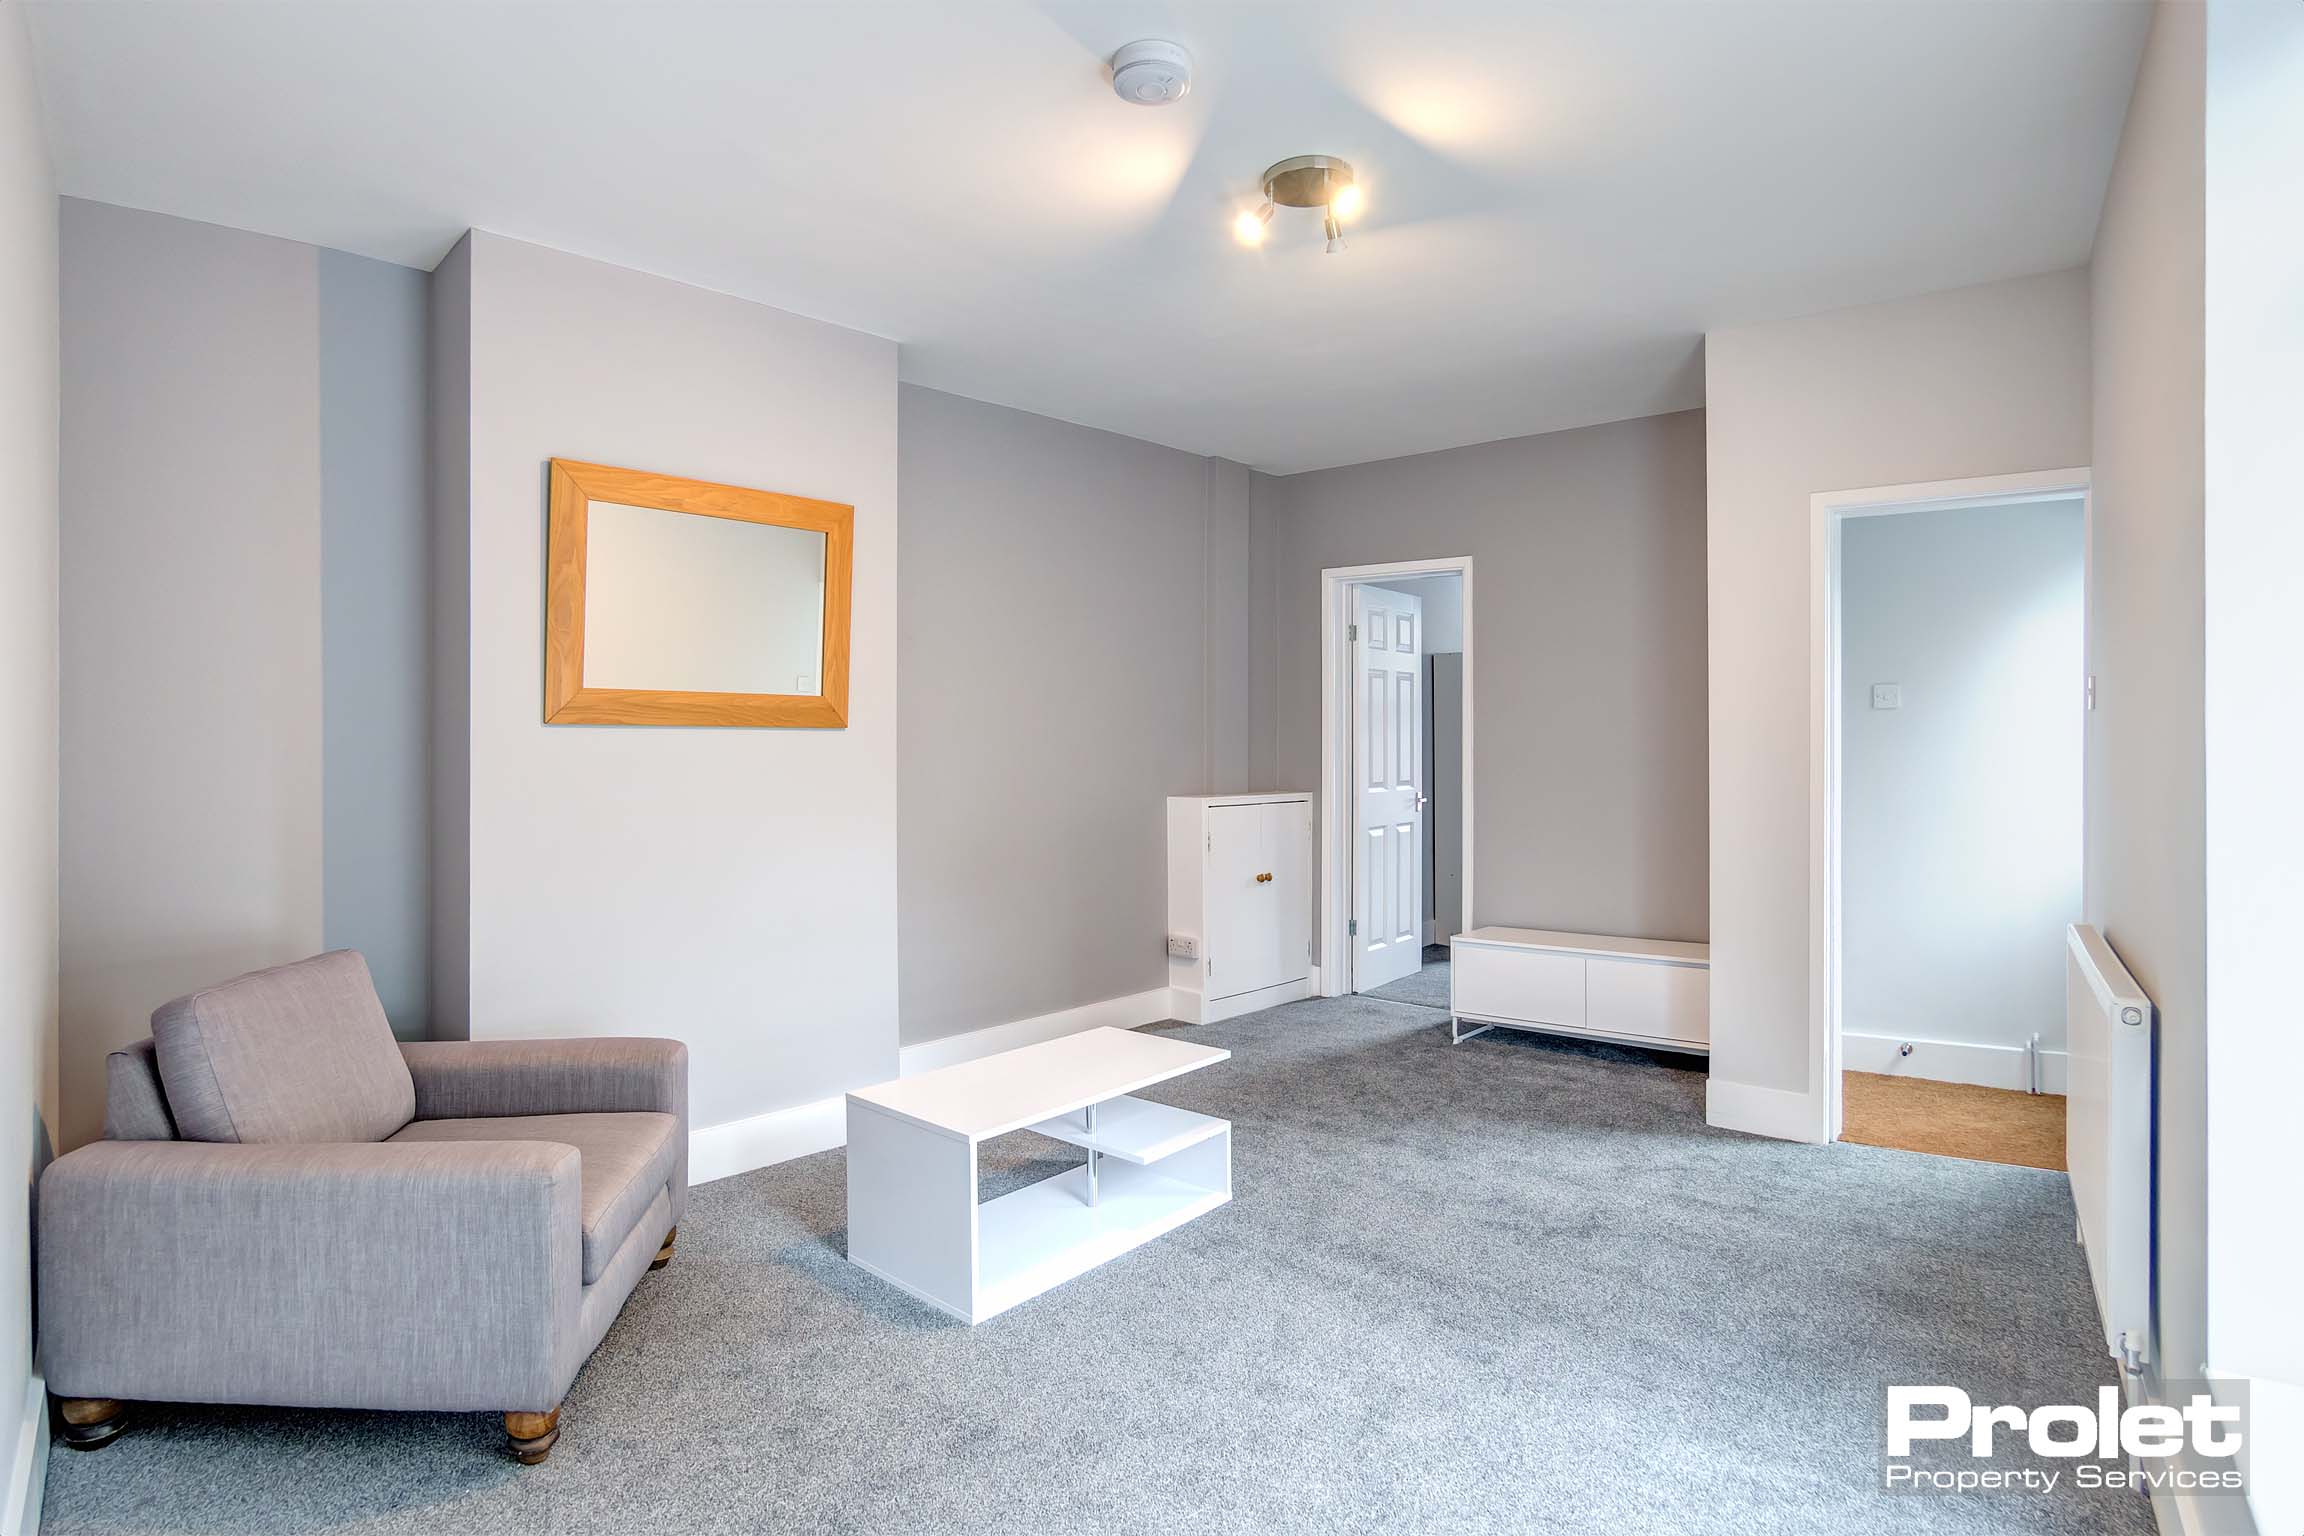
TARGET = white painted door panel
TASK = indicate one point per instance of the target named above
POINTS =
(1290, 827)
(1244, 911)
(1626, 997)
(1388, 774)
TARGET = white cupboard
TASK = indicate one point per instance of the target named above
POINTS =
(1239, 903)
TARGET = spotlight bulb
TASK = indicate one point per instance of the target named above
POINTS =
(1349, 201)
(1335, 235)
(1249, 228)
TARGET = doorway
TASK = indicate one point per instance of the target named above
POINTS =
(1396, 772)
(1950, 707)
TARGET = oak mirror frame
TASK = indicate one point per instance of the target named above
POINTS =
(674, 606)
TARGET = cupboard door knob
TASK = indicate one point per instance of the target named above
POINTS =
(1260, 879)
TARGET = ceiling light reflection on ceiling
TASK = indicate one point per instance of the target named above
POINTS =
(1307, 181)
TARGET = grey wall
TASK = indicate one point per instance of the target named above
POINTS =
(1074, 630)
(1960, 810)
(1588, 655)
(1978, 381)
(374, 596)
(1225, 601)
(448, 355)
(191, 620)
(28, 745)
(733, 888)
(244, 637)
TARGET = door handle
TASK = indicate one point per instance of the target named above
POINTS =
(1419, 802)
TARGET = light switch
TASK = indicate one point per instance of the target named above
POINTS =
(1887, 696)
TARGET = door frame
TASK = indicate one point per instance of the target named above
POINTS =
(1336, 714)
(1828, 512)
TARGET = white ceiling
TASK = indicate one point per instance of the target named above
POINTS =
(1562, 197)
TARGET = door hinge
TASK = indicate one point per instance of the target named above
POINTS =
(1353, 927)
(1351, 631)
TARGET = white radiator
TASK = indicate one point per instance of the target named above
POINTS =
(2108, 1136)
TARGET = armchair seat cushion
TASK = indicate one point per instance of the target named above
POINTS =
(627, 1157)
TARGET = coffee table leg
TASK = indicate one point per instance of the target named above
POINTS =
(1091, 1156)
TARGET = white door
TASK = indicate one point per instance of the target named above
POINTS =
(1388, 806)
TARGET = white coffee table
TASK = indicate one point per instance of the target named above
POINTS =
(913, 1218)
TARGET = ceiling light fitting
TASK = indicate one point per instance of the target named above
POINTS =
(1306, 181)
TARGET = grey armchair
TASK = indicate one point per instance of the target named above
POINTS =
(291, 1208)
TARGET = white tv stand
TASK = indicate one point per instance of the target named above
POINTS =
(1651, 992)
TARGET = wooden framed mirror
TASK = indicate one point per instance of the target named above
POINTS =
(681, 602)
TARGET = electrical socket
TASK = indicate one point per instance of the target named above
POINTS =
(1183, 946)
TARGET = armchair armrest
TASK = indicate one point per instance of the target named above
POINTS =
(474, 1079)
(364, 1274)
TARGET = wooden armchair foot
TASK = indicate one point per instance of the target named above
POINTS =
(531, 1436)
(90, 1423)
(664, 1254)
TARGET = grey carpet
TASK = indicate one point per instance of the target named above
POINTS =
(1513, 1285)
(1426, 988)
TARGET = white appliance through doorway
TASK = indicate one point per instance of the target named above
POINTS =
(1387, 924)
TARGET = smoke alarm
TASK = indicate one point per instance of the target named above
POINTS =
(1151, 73)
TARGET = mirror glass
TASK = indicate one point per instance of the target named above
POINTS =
(701, 604)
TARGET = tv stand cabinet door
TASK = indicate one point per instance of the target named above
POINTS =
(1532, 985)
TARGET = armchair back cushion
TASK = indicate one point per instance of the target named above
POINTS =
(297, 1053)
(135, 1103)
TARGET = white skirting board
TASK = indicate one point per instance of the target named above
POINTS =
(1191, 1008)
(1131, 1012)
(28, 1469)
(1762, 1111)
(720, 1151)
(1949, 1061)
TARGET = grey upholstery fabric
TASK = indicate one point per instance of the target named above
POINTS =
(460, 1080)
(627, 1163)
(605, 1297)
(297, 1053)
(446, 1268)
(349, 1275)
(135, 1105)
